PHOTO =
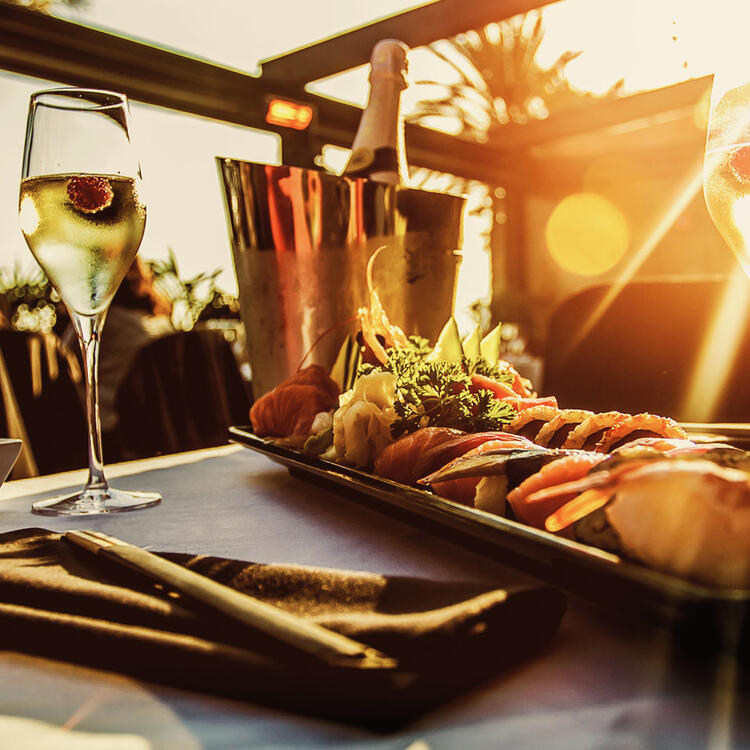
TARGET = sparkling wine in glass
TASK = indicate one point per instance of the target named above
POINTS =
(82, 212)
(726, 167)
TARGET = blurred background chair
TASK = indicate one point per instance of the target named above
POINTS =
(42, 403)
(182, 393)
(640, 355)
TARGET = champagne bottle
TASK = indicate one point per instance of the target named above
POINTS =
(378, 152)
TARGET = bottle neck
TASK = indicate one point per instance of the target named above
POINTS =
(378, 151)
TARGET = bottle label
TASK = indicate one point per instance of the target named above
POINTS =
(369, 160)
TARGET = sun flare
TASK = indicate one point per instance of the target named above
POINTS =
(587, 234)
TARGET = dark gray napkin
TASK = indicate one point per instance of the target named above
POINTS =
(61, 602)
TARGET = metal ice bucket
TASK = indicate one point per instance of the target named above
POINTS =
(301, 239)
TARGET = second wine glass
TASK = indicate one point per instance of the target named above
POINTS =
(83, 216)
(726, 170)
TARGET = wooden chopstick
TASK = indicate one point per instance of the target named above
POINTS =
(284, 626)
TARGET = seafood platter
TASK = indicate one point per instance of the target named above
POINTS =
(633, 511)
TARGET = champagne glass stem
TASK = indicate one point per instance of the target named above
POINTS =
(88, 328)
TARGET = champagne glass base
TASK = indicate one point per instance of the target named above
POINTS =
(95, 502)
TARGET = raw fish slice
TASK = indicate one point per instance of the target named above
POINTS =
(529, 421)
(464, 490)
(662, 444)
(289, 409)
(556, 431)
(640, 425)
(588, 433)
(521, 403)
(563, 469)
(534, 509)
(397, 461)
(500, 447)
(727, 455)
(494, 473)
(317, 376)
(513, 462)
(499, 471)
(440, 455)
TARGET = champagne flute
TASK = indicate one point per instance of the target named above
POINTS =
(726, 166)
(83, 215)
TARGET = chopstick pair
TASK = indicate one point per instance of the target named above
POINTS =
(295, 631)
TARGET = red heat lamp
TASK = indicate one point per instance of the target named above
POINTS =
(288, 114)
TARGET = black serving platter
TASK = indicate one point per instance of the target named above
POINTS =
(709, 618)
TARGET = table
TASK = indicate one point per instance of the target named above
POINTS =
(604, 683)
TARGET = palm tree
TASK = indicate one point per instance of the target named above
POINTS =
(499, 79)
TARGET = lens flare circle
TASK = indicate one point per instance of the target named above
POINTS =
(587, 234)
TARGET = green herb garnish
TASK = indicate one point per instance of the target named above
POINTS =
(481, 366)
(436, 394)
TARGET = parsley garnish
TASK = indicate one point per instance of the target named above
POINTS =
(436, 394)
(481, 366)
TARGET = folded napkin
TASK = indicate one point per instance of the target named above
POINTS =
(62, 602)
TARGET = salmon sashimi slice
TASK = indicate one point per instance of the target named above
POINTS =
(289, 409)
(397, 461)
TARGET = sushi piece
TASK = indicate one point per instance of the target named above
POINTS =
(497, 471)
(638, 426)
(437, 457)
(727, 455)
(490, 495)
(588, 433)
(689, 518)
(556, 431)
(426, 450)
(663, 445)
(492, 463)
(528, 422)
(533, 507)
(463, 489)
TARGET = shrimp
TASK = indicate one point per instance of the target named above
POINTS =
(528, 422)
(639, 425)
(588, 433)
(555, 432)
(374, 321)
(532, 507)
